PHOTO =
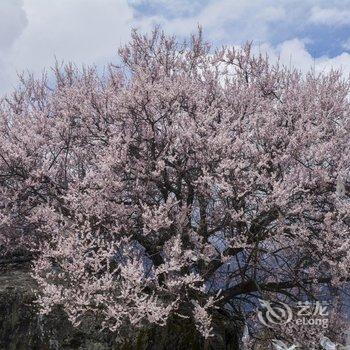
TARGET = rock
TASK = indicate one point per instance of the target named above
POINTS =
(21, 328)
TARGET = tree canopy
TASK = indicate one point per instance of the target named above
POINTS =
(185, 182)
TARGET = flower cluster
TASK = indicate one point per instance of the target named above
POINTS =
(184, 172)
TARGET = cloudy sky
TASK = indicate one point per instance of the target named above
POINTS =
(303, 33)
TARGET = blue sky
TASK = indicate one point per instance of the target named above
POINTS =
(304, 33)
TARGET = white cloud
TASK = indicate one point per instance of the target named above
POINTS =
(251, 17)
(13, 22)
(82, 31)
(33, 32)
(293, 53)
(272, 13)
(330, 16)
(79, 30)
(171, 7)
(346, 44)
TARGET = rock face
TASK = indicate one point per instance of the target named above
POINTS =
(18, 326)
(22, 329)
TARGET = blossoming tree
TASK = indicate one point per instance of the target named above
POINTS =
(182, 184)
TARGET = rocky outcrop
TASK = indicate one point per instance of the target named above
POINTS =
(22, 329)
